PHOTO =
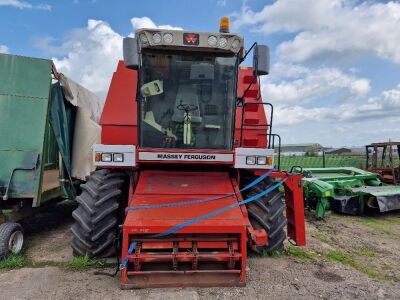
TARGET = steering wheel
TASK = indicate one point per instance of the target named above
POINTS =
(187, 107)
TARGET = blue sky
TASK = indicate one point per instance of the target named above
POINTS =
(335, 71)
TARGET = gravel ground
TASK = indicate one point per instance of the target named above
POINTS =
(347, 257)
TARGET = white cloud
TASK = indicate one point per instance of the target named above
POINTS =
(326, 28)
(24, 5)
(314, 86)
(90, 55)
(145, 22)
(385, 107)
(296, 83)
(4, 49)
(287, 15)
(291, 115)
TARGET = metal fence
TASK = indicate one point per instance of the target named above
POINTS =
(323, 161)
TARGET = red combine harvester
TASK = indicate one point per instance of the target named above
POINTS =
(186, 165)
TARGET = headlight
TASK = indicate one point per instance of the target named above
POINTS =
(143, 38)
(118, 157)
(157, 38)
(168, 38)
(250, 160)
(261, 160)
(212, 41)
(222, 42)
(235, 44)
(106, 157)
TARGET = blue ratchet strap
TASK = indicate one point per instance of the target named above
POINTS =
(206, 216)
(132, 247)
(218, 211)
(250, 185)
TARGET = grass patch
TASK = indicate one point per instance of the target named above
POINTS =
(365, 252)
(299, 252)
(77, 263)
(276, 253)
(13, 262)
(349, 260)
(370, 272)
(373, 223)
(380, 223)
(323, 237)
(343, 258)
(84, 262)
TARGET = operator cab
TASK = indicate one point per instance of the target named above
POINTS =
(187, 87)
(187, 99)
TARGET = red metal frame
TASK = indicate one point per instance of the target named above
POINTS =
(118, 120)
(208, 253)
(296, 228)
(211, 252)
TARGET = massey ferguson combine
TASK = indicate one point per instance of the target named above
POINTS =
(185, 173)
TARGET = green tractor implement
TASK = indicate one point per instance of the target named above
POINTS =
(347, 190)
(38, 162)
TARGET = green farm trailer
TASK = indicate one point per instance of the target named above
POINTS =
(40, 110)
(347, 190)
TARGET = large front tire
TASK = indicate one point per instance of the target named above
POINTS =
(268, 213)
(96, 218)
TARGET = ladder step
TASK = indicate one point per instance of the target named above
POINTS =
(250, 142)
(252, 107)
(252, 93)
(249, 79)
(251, 121)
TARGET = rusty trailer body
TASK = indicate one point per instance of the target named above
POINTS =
(384, 159)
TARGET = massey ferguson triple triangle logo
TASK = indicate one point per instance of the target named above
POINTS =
(191, 39)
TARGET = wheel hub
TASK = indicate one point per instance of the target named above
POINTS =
(16, 241)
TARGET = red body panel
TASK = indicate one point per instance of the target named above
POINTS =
(220, 241)
(119, 117)
(254, 114)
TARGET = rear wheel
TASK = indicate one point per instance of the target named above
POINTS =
(96, 218)
(268, 213)
(11, 239)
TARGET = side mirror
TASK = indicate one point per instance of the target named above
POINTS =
(131, 53)
(261, 60)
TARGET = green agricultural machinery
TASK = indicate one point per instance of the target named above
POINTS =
(43, 115)
(347, 190)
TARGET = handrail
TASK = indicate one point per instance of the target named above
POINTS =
(272, 137)
(243, 124)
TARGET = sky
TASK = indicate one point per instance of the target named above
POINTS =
(335, 64)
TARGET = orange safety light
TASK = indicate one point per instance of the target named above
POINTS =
(224, 24)
(97, 156)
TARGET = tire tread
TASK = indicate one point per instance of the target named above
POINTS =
(96, 219)
(267, 213)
